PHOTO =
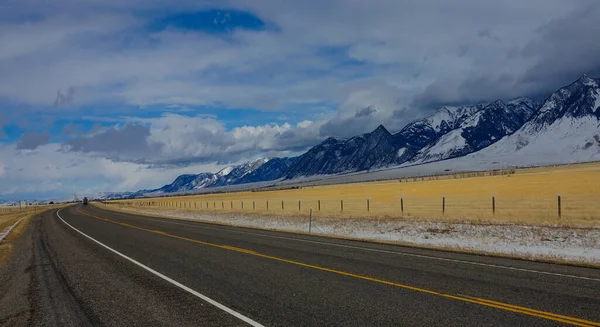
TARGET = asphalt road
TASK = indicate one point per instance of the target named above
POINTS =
(86, 266)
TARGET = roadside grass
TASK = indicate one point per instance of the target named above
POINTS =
(8, 219)
(526, 196)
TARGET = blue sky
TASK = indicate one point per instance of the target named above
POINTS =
(108, 95)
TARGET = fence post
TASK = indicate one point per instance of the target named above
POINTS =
(368, 205)
(222, 205)
(282, 206)
(494, 205)
(402, 205)
(342, 205)
(319, 205)
(242, 203)
(310, 221)
(267, 204)
(559, 207)
(253, 205)
(443, 204)
(298, 205)
(231, 205)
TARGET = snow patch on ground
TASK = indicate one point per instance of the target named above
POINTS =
(7, 230)
(531, 242)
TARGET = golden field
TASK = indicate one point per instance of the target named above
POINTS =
(9, 215)
(527, 196)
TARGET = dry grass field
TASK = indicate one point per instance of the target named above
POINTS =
(528, 196)
(9, 215)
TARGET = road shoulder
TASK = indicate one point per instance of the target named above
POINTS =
(15, 276)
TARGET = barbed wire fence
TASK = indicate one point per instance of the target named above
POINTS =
(558, 209)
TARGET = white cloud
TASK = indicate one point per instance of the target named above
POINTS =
(49, 169)
(175, 139)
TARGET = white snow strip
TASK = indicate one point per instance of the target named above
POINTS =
(172, 281)
(4, 234)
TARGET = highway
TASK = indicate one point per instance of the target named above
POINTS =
(84, 266)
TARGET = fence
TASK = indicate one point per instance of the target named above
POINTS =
(575, 210)
(11, 209)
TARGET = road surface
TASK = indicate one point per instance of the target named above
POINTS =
(83, 266)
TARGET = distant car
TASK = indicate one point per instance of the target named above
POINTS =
(85, 201)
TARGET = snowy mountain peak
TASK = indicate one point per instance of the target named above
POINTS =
(524, 102)
(565, 127)
(577, 100)
(585, 80)
(225, 171)
(478, 130)
(380, 130)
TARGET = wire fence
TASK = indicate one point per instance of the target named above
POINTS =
(571, 210)
(23, 208)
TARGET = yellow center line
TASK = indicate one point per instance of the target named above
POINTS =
(542, 314)
(488, 303)
(536, 311)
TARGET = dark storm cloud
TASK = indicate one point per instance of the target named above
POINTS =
(566, 49)
(296, 140)
(32, 140)
(348, 127)
(127, 143)
(71, 129)
(95, 128)
(562, 51)
(64, 99)
(365, 112)
(2, 132)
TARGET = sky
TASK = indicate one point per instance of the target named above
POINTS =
(125, 95)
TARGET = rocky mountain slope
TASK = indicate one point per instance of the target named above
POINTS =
(564, 129)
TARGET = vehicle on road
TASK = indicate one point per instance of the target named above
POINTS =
(85, 201)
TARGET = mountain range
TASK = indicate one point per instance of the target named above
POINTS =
(562, 128)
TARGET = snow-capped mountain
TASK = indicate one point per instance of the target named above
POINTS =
(258, 170)
(425, 131)
(448, 132)
(333, 156)
(482, 128)
(273, 169)
(566, 128)
(230, 175)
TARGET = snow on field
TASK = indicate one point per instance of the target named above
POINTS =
(575, 245)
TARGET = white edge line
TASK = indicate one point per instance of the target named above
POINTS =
(174, 282)
(200, 223)
(5, 235)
